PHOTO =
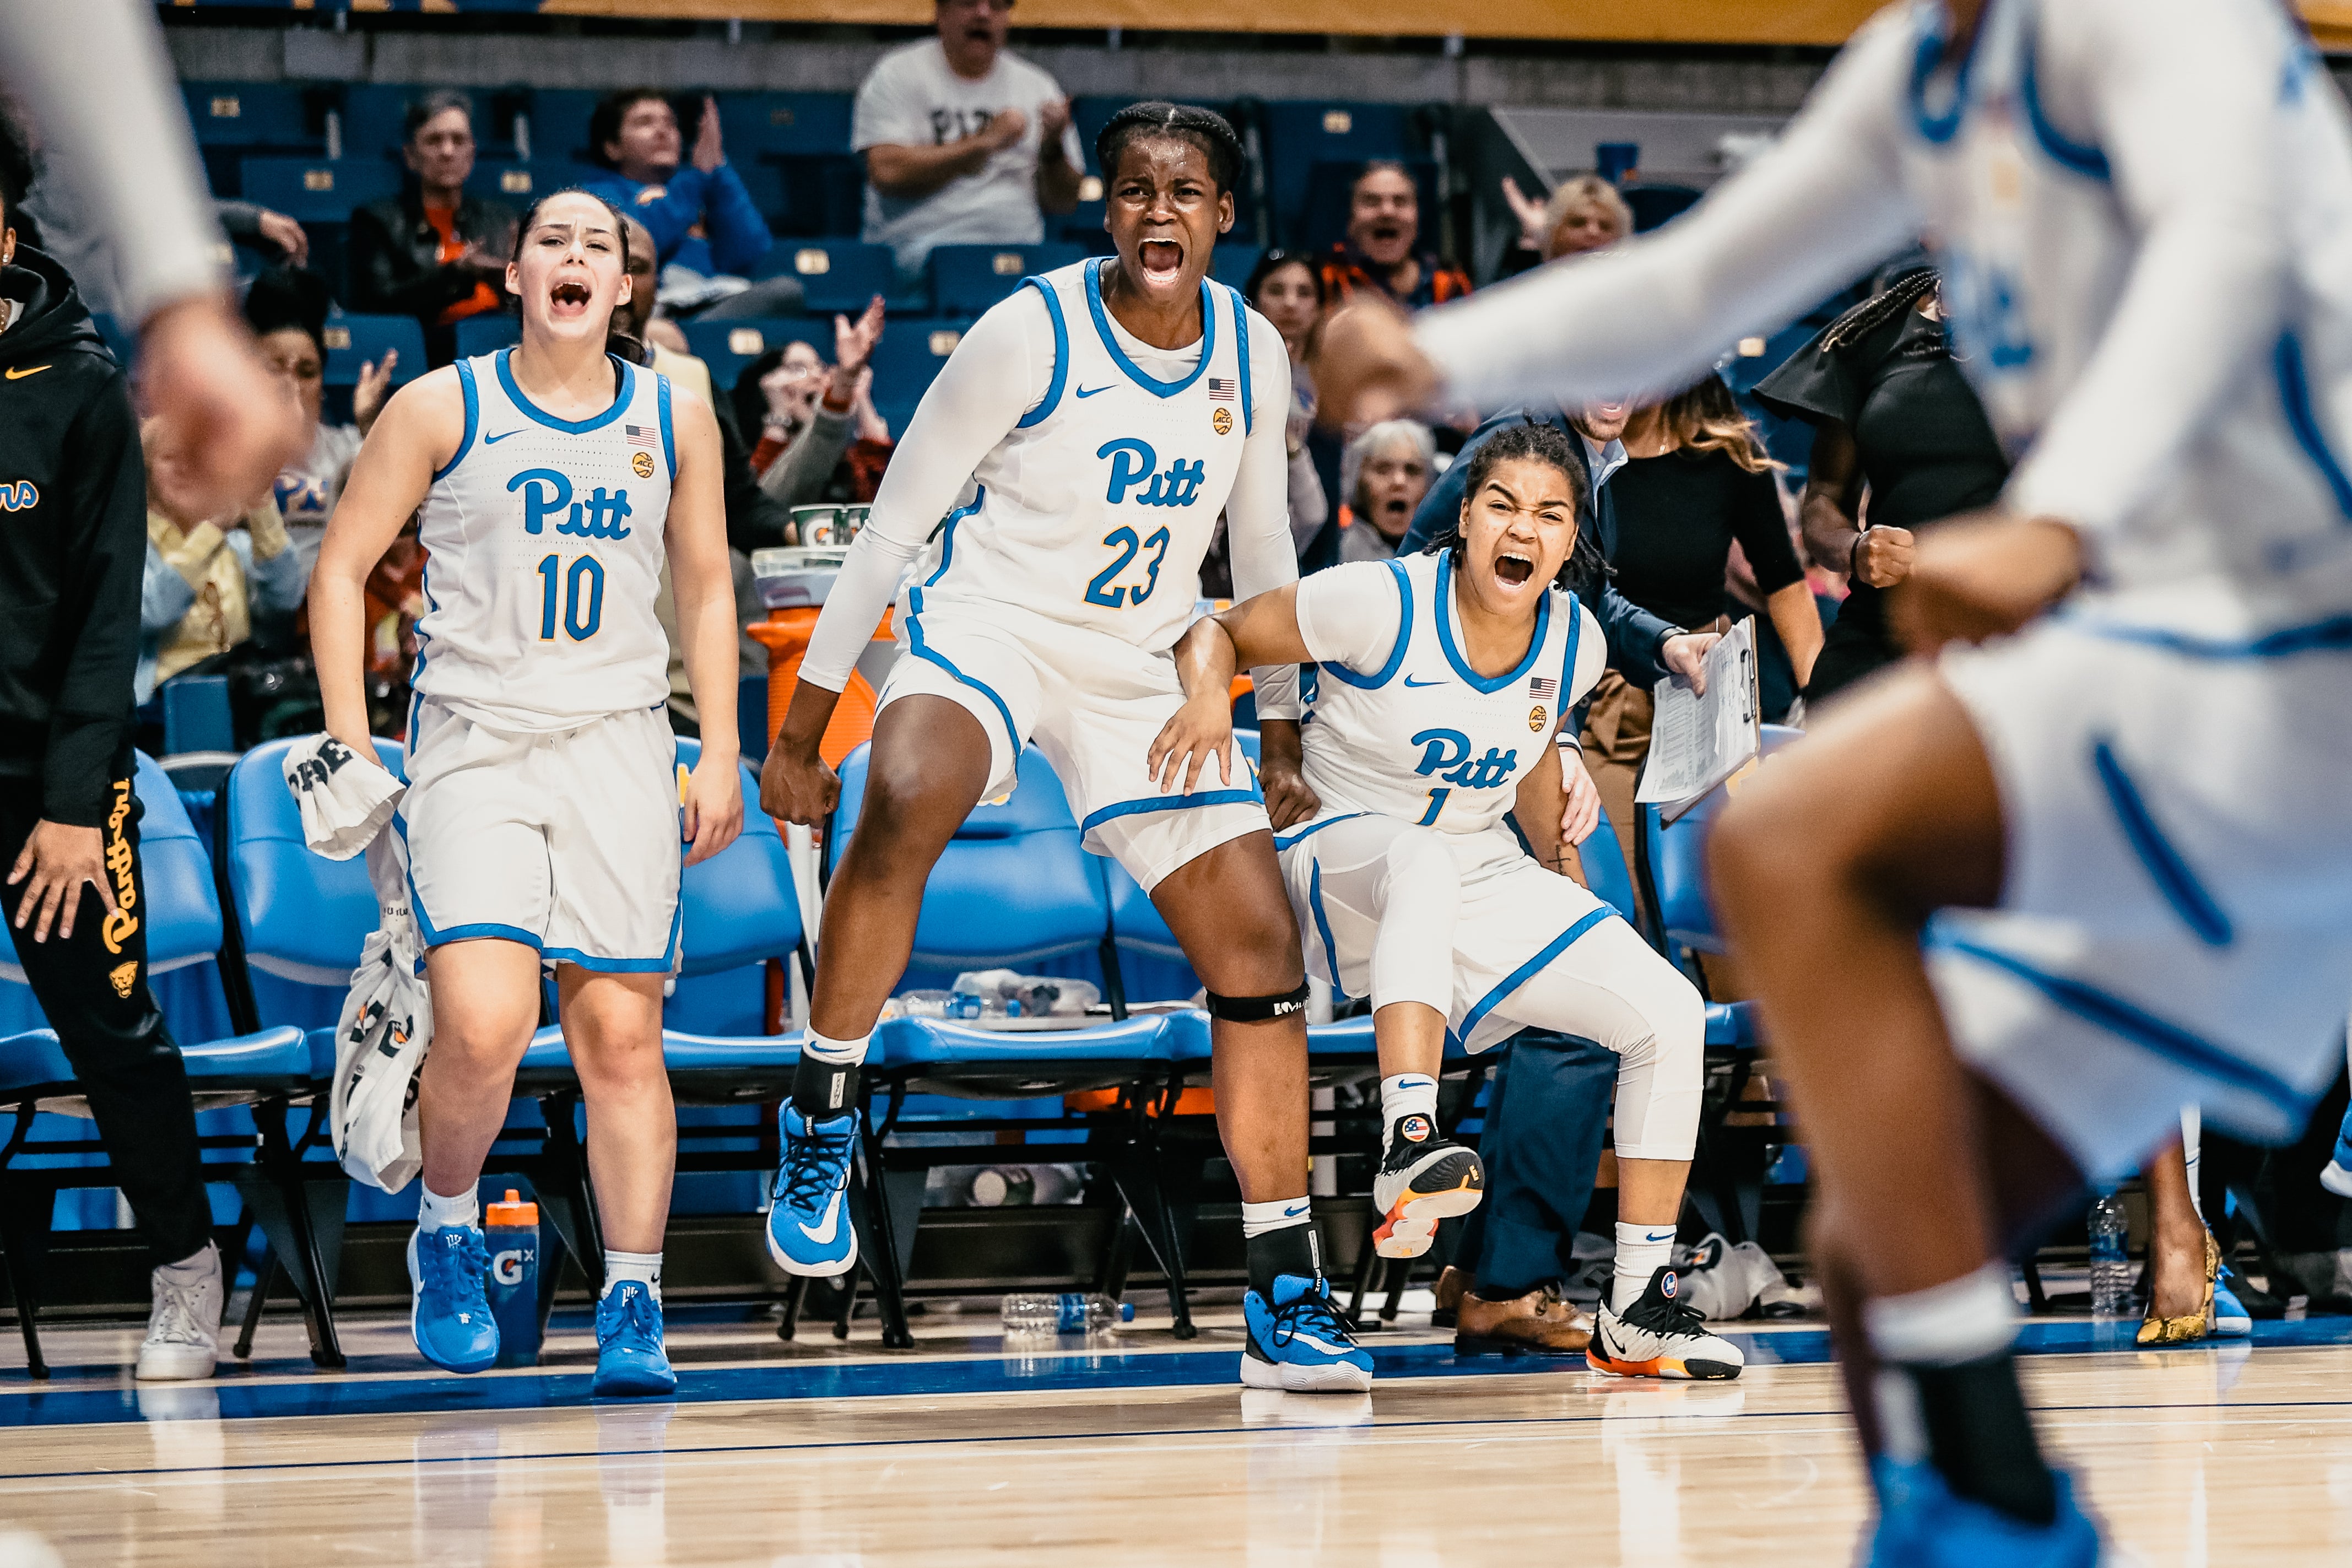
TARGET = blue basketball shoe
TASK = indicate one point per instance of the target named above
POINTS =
(809, 1231)
(1297, 1341)
(2230, 1319)
(449, 1314)
(629, 1356)
(1921, 1524)
(2337, 1177)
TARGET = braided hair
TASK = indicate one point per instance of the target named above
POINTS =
(1878, 310)
(1584, 571)
(616, 341)
(1212, 132)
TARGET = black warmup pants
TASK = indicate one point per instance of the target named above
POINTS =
(93, 988)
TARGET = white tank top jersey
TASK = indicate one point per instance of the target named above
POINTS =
(545, 539)
(1097, 509)
(2142, 212)
(1399, 724)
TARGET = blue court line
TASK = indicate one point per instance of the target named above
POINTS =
(29, 1407)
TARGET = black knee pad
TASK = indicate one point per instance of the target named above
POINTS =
(1258, 1009)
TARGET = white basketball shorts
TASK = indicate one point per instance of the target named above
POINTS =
(568, 842)
(1092, 704)
(2176, 923)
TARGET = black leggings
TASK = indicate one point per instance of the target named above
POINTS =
(93, 988)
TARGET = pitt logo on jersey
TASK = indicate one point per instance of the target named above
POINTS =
(1133, 461)
(1445, 754)
(547, 493)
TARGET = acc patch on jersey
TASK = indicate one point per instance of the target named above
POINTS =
(642, 464)
(1536, 717)
(1221, 421)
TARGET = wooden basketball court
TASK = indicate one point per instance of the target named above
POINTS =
(1136, 1449)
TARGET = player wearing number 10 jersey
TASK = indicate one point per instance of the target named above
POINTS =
(542, 822)
(1080, 445)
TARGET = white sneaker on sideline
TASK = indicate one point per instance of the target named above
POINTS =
(184, 1326)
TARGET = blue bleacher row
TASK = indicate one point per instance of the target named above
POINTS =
(252, 941)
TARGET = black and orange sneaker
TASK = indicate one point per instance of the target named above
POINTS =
(1422, 1179)
(1660, 1335)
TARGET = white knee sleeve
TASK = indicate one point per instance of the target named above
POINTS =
(1418, 905)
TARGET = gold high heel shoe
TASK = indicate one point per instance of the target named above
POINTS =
(2196, 1325)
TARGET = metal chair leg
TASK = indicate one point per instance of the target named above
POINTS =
(795, 1294)
(263, 1279)
(878, 1245)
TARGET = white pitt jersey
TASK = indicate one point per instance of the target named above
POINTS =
(1401, 724)
(545, 537)
(1097, 507)
(2037, 250)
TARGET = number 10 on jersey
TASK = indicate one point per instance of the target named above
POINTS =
(584, 596)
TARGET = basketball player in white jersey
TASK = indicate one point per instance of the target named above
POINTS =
(543, 817)
(1443, 680)
(1079, 444)
(2143, 211)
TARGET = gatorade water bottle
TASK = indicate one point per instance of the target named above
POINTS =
(510, 1230)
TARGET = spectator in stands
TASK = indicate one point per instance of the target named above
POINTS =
(287, 313)
(1584, 214)
(708, 231)
(435, 251)
(639, 319)
(207, 580)
(1288, 290)
(73, 897)
(965, 142)
(1385, 474)
(1378, 254)
(821, 438)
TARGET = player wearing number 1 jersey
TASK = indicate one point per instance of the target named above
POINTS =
(543, 817)
(1080, 445)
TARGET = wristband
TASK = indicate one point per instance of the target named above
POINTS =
(1852, 550)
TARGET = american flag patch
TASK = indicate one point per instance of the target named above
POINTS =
(1543, 688)
(1221, 389)
(644, 436)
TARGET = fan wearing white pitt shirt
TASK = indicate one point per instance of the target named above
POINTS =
(2143, 210)
(1080, 443)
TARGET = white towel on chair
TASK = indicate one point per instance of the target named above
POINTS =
(346, 798)
(382, 1037)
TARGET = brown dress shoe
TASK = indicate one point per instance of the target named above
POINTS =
(1452, 1286)
(1538, 1323)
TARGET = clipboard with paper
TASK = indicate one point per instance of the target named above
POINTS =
(1697, 742)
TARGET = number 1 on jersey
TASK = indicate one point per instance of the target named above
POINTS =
(584, 597)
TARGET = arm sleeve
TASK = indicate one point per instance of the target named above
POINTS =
(92, 75)
(1821, 207)
(2185, 100)
(739, 233)
(1762, 530)
(1351, 615)
(1309, 508)
(91, 722)
(993, 378)
(1257, 512)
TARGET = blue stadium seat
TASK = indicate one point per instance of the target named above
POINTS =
(1655, 206)
(263, 1068)
(905, 361)
(968, 279)
(1605, 872)
(727, 346)
(375, 117)
(319, 190)
(519, 183)
(558, 121)
(300, 916)
(835, 274)
(354, 341)
(1231, 264)
(1677, 865)
(249, 114)
(754, 123)
(1304, 134)
(490, 330)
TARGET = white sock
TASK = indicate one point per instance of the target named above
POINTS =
(1259, 1219)
(834, 1053)
(1641, 1251)
(435, 1211)
(644, 1268)
(1408, 1094)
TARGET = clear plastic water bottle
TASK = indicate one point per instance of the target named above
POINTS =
(2110, 1279)
(510, 1234)
(1070, 1313)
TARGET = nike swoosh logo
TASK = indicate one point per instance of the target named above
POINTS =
(1293, 1214)
(1409, 681)
(494, 440)
(15, 374)
(1090, 391)
(823, 1235)
(1326, 1346)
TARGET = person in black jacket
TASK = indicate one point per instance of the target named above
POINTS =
(432, 252)
(73, 542)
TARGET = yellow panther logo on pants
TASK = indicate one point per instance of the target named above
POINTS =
(124, 975)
